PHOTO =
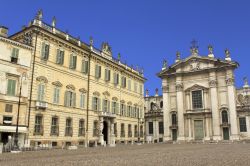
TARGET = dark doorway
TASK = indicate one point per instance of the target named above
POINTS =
(225, 133)
(4, 137)
(105, 131)
(174, 134)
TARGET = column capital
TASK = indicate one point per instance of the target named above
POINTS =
(179, 86)
(165, 89)
(212, 83)
(230, 81)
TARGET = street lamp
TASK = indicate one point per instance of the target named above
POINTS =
(16, 147)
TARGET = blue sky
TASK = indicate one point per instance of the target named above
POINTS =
(147, 31)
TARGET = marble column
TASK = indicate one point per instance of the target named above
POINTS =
(207, 136)
(112, 134)
(232, 109)
(180, 111)
(215, 109)
(166, 110)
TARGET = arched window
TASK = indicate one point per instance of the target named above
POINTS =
(161, 104)
(224, 116)
(174, 120)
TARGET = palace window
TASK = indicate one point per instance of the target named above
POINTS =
(54, 126)
(82, 100)
(107, 75)
(135, 87)
(72, 61)
(70, 99)
(95, 103)
(129, 84)
(98, 71)
(68, 128)
(85, 66)
(123, 109)
(124, 82)
(122, 130)
(60, 57)
(161, 104)
(243, 126)
(38, 129)
(8, 107)
(95, 129)
(14, 55)
(81, 128)
(41, 92)
(115, 107)
(161, 128)
(135, 131)
(11, 88)
(56, 95)
(224, 117)
(105, 105)
(129, 131)
(116, 78)
(141, 89)
(129, 111)
(174, 119)
(150, 128)
(197, 99)
(45, 51)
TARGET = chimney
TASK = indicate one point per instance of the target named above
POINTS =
(4, 31)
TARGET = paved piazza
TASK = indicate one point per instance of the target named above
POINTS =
(148, 154)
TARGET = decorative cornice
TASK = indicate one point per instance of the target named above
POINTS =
(70, 86)
(129, 103)
(106, 93)
(42, 79)
(179, 87)
(230, 81)
(212, 83)
(57, 83)
(83, 90)
(115, 98)
(96, 93)
(122, 101)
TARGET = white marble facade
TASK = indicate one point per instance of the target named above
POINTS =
(200, 99)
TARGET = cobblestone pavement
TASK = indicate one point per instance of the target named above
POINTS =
(147, 154)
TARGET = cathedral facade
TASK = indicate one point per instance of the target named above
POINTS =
(201, 102)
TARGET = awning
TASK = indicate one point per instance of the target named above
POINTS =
(12, 129)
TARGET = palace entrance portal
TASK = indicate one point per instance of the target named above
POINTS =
(105, 131)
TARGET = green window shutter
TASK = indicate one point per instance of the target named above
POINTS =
(117, 108)
(106, 74)
(96, 71)
(100, 72)
(109, 106)
(74, 99)
(114, 77)
(74, 61)
(71, 61)
(13, 52)
(55, 95)
(83, 100)
(66, 98)
(98, 104)
(83, 67)
(58, 56)
(42, 92)
(11, 89)
(117, 78)
(93, 103)
(46, 51)
(103, 104)
(86, 67)
(43, 51)
(58, 95)
(62, 57)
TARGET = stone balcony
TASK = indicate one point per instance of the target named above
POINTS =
(107, 114)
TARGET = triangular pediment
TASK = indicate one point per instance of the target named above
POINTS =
(195, 63)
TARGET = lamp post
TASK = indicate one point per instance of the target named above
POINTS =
(16, 147)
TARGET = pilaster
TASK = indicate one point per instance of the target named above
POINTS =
(180, 111)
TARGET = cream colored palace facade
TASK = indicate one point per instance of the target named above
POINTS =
(200, 99)
(80, 95)
(15, 61)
